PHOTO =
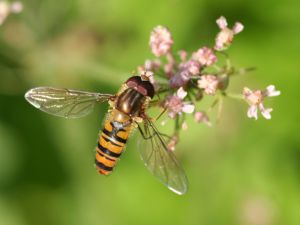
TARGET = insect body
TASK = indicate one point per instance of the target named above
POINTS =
(127, 109)
(126, 113)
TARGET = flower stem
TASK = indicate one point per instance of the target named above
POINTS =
(234, 96)
(242, 71)
(215, 102)
(220, 108)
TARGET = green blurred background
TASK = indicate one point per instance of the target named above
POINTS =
(241, 171)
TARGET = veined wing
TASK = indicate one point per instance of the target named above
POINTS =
(64, 102)
(162, 162)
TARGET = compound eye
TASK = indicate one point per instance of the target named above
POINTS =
(134, 82)
(146, 89)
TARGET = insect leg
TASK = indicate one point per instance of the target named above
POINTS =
(151, 135)
(165, 109)
(143, 134)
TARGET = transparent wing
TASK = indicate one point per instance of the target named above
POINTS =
(64, 102)
(161, 162)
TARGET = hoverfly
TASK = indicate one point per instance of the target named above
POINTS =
(125, 114)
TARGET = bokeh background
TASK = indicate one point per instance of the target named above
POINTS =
(241, 171)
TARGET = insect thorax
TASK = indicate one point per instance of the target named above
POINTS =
(130, 102)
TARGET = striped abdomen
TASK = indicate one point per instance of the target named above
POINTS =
(111, 143)
(119, 124)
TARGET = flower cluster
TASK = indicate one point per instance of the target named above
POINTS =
(181, 80)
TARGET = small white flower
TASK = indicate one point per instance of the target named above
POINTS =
(225, 36)
(255, 100)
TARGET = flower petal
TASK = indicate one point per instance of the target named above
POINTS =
(222, 22)
(265, 112)
(181, 93)
(237, 28)
(252, 112)
(271, 92)
(188, 108)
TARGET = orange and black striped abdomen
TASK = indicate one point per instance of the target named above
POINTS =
(111, 143)
(118, 125)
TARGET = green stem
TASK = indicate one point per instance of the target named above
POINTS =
(215, 102)
(176, 123)
(220, 108)
(243, 71)
(234, 96)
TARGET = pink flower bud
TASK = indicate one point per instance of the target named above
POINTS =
(205, 56)
(209, 83)
(160, 41)
(201, 117)
(183, 55)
